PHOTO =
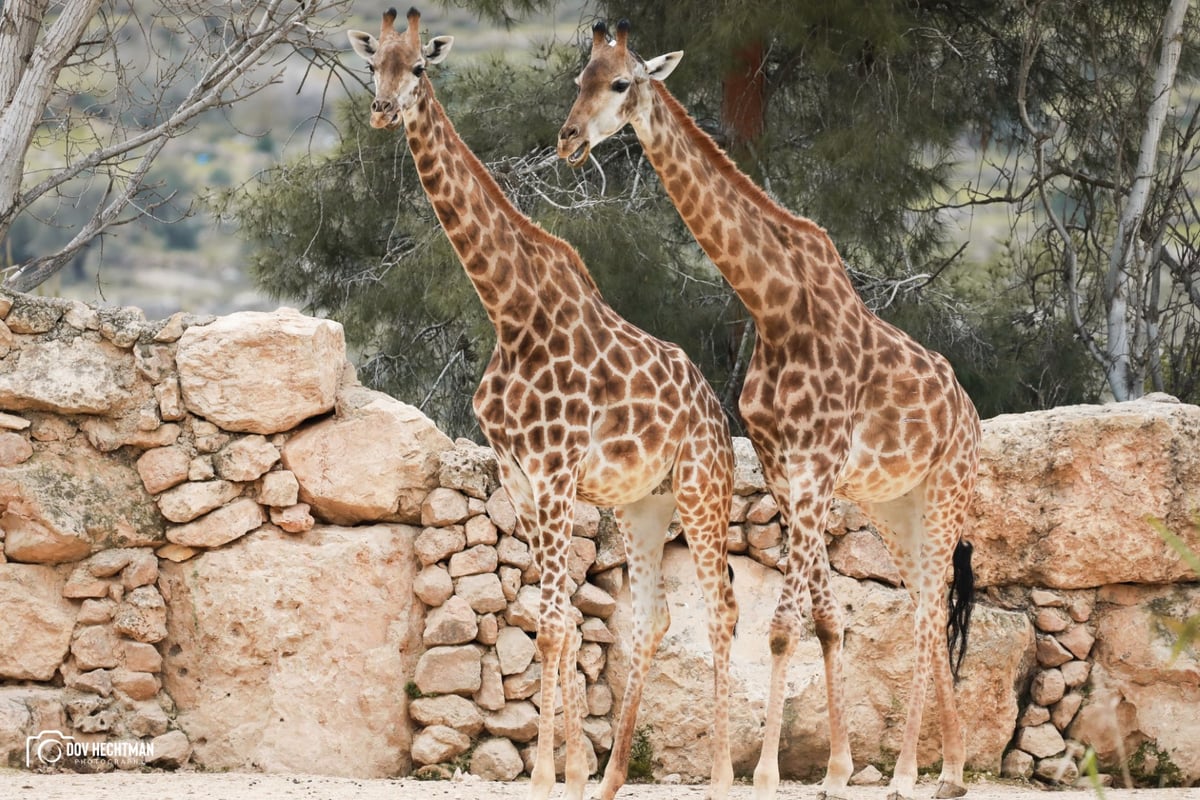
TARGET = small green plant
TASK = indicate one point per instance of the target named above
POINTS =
(641, 756)
(1186, 631)
(1151, 766)
(412, 691)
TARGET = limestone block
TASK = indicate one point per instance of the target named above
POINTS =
(443, 507)
(469, 468)
(375, 459)
(1054, 485)
(500, 510)
(586, 523)
(449, 710)
(26, 711)
(95, 647)
(1051, 620)
(580, 557)
(71, 376)
(523, 685)
(490, 696)
(37, 622)
(221, 526)
(747, 471)
(1047, 689)
(862, 554)
(438, 743)
(293, 519)
(483, 592)
(451, 623)
(279, 489)
(515, 650)
(481, 530)
(1051, 653)
(594, 601)
(1136, 680)
(1041, 742)
(474, 561)
(304, 640)
(1078, 640)
(517, 721)
(142, 616)
(190, 500)
(496, 760)
(433, 585)
(450, 670)
(246, 458)
(257, 372)
(438, 544)
(763, 510)
(512, 551)
(63, 504)
(14, 449)
(172, 749)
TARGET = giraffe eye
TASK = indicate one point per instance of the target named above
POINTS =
(620, 85)
(419, 70)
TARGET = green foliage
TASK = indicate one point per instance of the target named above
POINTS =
(641, 756)
(1152, 766)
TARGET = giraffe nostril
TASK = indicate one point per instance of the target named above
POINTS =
(381, 106)
(568, 132)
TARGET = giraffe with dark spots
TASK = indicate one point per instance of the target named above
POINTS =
(837, 402)
(577, 403)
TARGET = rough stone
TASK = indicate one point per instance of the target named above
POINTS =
(1047, 689)
(1051, 620)
(1078, 640)
(512, 551)
(515, 650)
(375, 459)
(747, 472)
(437, 744)
(1075, 673)
(433, 585)
(443, 507)
(1051, 653)
(480, 530)
(449, 710)
(71, 376)
(257, 372)
(517, 721)
(1042, 741)
(221, 526)
(594, 601)
(188, 501)
(142, 616)
(95, 647)
(474, 561)
(862, 554)
(523, 685)
(451, 623)
(1065, 709)
(469, 468)
(172, 749)
(483, 592)
(1045, 516)
(496, 760)
(246, 459)
(135, 685)
(1017, 764)
(14, 449)
(450, 670)
(500, 510)
(141, 657)
(438, 544)
(490, 696)
(279, 489)
(293, 519)
(38, 622)
(257, 634)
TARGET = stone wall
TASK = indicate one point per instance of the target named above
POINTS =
(217, 543)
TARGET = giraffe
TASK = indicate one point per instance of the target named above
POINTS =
(577, 403)
(837, 402)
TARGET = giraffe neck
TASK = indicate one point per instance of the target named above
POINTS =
(518, 269)
(771, 257)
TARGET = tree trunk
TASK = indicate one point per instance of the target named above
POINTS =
(1121, 260)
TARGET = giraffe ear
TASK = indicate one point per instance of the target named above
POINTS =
(659, 68)
(363, 43)
(438, 48)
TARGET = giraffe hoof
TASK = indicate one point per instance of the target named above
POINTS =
(948, 789)
(895, 795)
(825, 794)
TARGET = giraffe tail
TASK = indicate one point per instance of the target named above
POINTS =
(961, 601)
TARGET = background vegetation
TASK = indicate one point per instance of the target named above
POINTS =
(971, 160)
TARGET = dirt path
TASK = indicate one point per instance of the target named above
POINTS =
(16, 785)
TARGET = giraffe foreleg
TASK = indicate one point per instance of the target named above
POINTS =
(827, 620)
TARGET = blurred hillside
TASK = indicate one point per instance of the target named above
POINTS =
(189, 260)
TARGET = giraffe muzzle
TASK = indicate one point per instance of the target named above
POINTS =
(576, 157)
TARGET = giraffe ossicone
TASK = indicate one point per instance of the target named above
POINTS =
(837, 402)
(577, 403)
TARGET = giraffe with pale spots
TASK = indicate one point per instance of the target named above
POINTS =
(577, 403)
(837, 402)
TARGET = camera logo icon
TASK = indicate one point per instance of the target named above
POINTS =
(48, 748)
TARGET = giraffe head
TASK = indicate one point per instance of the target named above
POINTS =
(614, 89)
(398, 61)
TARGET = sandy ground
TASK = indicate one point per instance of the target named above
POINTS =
(16, 785)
